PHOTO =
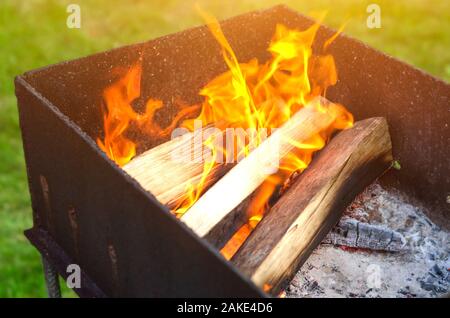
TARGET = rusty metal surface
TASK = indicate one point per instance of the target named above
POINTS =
(122, 238)
(55, 261)
(51, 278)
(88, 204)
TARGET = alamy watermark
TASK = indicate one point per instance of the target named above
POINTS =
(74, 278)
(74, 18)
(374, 19)
(211, 144)
(373, 279)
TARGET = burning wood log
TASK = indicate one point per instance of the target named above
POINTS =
(301, 218)
(217, 214)
(168, 169)
(353, 233)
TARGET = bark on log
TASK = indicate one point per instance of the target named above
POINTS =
(313, 204)
(353, 233)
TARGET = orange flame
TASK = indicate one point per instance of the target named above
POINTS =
(249, 95)
(253, 95)
(118, 115)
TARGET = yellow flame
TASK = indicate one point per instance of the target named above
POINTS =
(249, 95)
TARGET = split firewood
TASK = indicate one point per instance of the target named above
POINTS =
(167, 170)
(314, 203)
(219, 211)
(353, 233)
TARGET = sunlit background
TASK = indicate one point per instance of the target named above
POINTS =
(33, 33)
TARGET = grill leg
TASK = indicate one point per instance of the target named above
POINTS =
(51, 279)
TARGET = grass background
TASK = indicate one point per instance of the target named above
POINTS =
(33, 33)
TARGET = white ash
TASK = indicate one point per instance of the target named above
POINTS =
(421, 270)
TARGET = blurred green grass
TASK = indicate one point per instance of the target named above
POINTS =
(33, 33)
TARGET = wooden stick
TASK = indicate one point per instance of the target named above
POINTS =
(313, 204)
(167, 170)
(219, 209)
